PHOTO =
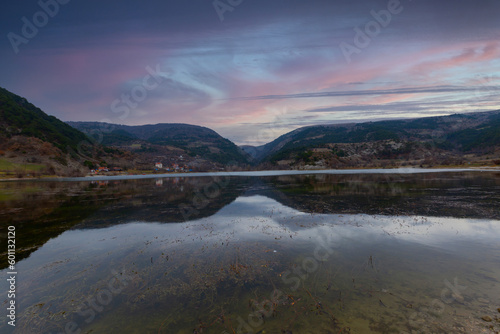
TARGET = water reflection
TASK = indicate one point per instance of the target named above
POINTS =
(282, 255)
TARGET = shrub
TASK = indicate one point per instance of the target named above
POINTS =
(50, 170)
(88, 164)
(61, 160)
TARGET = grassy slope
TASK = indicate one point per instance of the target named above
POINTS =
(19, 117)
(11, 166)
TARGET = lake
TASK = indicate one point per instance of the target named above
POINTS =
(357, 252)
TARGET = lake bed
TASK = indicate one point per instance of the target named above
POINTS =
(309, 253)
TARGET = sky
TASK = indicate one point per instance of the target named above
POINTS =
(251, 70)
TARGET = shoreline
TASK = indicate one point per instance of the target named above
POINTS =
(259, 173)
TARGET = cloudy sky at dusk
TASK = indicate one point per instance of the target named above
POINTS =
(252, 69)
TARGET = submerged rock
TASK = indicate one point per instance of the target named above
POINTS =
(487, 318)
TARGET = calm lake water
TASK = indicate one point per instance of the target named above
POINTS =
(322, 253)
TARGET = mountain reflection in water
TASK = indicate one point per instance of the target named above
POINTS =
(284, 254)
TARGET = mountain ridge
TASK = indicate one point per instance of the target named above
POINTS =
(32, 140)
(262, 150)
(453, 136)
(196, 144)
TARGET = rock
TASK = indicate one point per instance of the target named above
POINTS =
(458, 298)
(487, 318)
(483, 301)
(498, 309)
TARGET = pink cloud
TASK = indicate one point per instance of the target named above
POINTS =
(469, 54)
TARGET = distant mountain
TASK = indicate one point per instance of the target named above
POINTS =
(32, 142)
(450, 137)
(170, 141)
(260, 153)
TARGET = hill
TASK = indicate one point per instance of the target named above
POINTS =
(32, 142)
(444, 140)
(195, 146)
(18, 117)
